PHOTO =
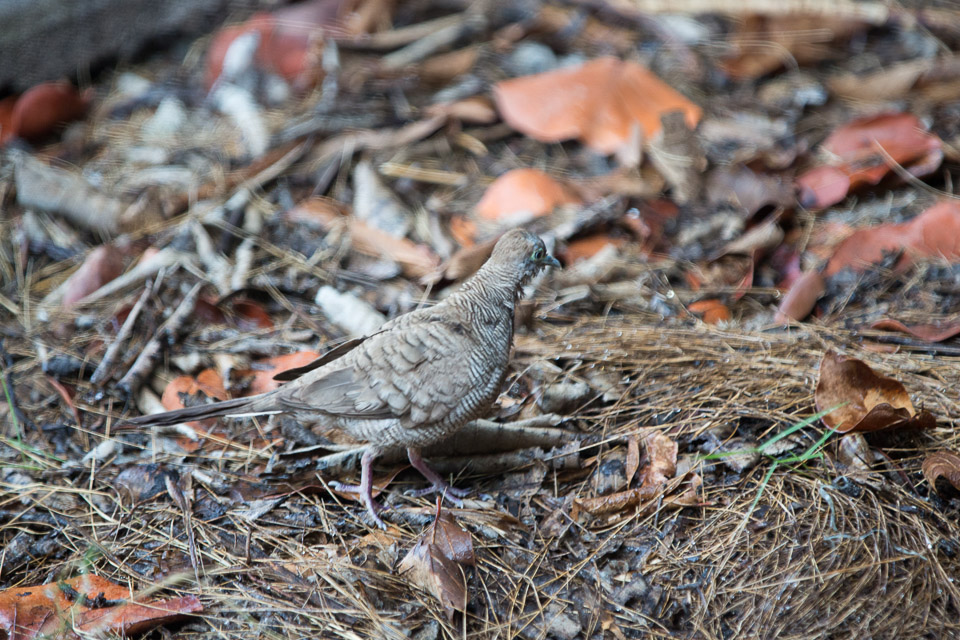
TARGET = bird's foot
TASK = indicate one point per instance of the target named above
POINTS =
(374, 508)
(437, 483)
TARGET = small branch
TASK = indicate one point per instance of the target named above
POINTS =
(122, 335)
(144, 362)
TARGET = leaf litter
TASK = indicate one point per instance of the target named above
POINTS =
(313, 169)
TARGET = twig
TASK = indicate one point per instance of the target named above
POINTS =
(122, 335)
(144, 362)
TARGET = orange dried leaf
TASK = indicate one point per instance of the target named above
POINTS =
(587, 247)
(802, 297)
(265, 370)
(929, 332)
(522, 193)
(870, 402)
(942, 464)
(712, 310)
(46, 611)
(934, 234)
(606, 103)
(208, 382)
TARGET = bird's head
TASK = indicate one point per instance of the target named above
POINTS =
(522, 253)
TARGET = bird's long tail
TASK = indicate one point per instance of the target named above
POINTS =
(263, 404)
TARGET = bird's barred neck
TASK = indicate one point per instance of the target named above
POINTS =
(493, 286)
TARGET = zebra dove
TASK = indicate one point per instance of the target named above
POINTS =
(414, 382)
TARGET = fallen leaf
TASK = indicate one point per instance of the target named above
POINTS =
(41, 109)
(289, 41)
(265, 370)
(936, 332)
(101, 265)
(802, 297)
(870, 402)
(587, 247)
(934, 234)
(661, 455)
(764, 43)
(82, 607)
(711, 310)
(942, 464)
(208, 383)
(607, 103)
(416, 260)
(433, 564)
(521, 194)
(473, 110)
(250, 315)
(864, 151)
(633, 457)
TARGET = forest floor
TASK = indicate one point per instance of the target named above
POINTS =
(732, 414)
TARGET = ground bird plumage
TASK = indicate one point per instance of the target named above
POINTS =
(414, 382)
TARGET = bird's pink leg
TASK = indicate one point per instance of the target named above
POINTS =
(365, 488)
(438, 484)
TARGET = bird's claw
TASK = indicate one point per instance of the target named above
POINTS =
(452, 494)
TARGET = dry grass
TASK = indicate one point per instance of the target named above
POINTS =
(819, 555)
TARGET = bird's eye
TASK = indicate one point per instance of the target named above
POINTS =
(537, 254)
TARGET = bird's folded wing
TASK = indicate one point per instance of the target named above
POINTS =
(417, 374)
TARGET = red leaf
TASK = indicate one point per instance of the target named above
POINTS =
(802, 297)
(42, 108)
(927, 332)
(865, 149)
(935, 233)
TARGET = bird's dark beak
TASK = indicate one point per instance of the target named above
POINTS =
(550, 261)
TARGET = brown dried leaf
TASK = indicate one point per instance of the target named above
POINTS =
(433, 564)
(945, 464)
(871, 402)
(661, 459)
(633, 457)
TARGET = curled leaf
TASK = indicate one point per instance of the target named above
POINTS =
(433, 564)
(870, 402)
(802, 297)
(942, 464)
(934, 332)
